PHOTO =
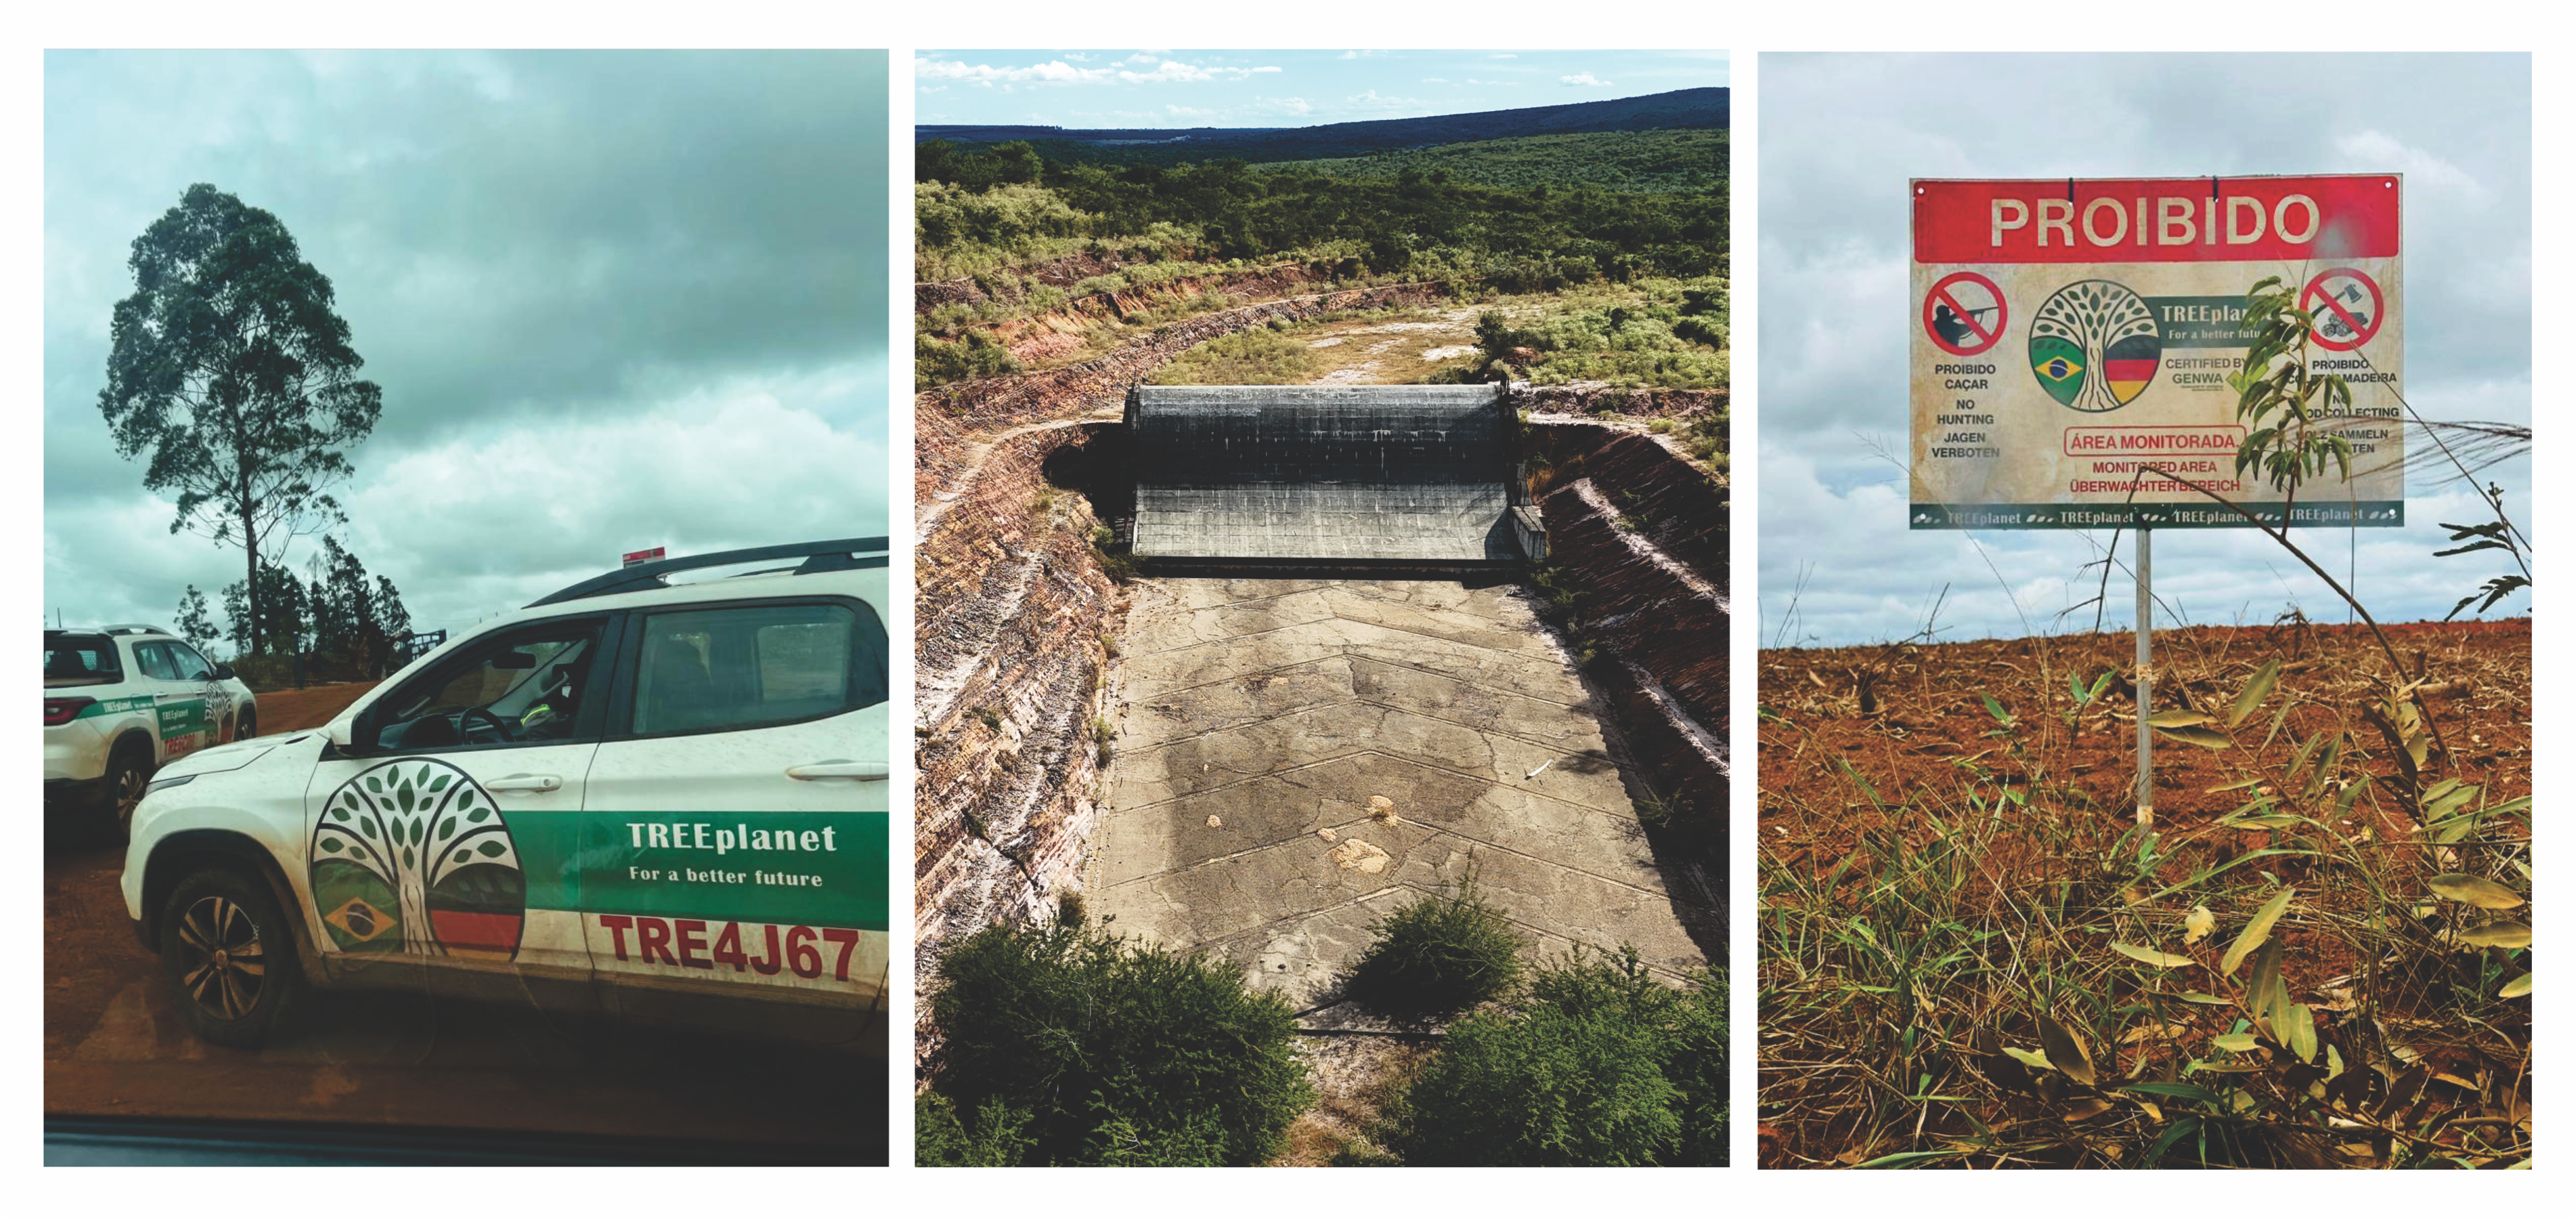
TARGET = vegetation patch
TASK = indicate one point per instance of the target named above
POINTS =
(1260, 356)
(1436, 956)
(1596, 1063)
(1653, 162)
(1063, 1046)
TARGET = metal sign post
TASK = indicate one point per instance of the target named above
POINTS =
(2145, 682)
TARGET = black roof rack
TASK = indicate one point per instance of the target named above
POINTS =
(842, 554)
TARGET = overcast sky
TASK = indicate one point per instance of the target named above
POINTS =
(1840, 136)
(1280, 88)
(614, 301)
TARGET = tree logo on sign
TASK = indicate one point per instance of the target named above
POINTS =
(412, 857)
(2095, 346)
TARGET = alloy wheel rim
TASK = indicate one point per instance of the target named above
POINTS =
(129, 793)
(224, 965)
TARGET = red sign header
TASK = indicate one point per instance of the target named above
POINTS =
(634, 557)
(2337, 217)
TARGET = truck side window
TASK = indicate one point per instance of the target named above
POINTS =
(524, 689)
(751, 666)
(192, 667)
(154, 660)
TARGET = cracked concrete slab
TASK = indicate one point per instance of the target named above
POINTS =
(1265, 721)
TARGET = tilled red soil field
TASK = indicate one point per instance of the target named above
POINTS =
(1877, 760)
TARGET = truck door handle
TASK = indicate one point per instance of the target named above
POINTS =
(839, 769)
(524, 783)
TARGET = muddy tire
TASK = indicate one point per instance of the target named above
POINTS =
(129, 771)
(230, 956)
(247, 725)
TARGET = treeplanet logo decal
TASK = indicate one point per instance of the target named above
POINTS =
(2095, 346)
(412, 857)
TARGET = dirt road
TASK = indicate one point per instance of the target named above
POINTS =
(115, 1044)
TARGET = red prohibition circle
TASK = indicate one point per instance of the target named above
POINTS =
(2363, 331)
(1987, 336)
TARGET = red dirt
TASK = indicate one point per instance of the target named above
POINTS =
(1929, 739)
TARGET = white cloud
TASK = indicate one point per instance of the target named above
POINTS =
(2374, 150)
(1053, 71)
(1188, 112)
(1833, 296)
(1584, 80)
(714, 470)
(1370, 100)
(1284, 105)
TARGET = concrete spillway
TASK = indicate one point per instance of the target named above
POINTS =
(1341, 474)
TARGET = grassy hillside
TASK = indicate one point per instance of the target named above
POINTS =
(1648, 162)
(1681, 108)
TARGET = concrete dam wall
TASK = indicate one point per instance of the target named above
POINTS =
(1322, 474)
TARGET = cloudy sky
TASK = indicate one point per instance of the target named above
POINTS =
(614, 301)
(1840, 136)
(1280, 88)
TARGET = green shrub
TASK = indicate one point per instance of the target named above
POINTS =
(1259, 356)
(1434, 957)
(1117, 1053)
(940, 1139)
(1599, 1064)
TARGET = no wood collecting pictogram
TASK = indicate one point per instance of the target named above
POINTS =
(1964, 313)
(2347, 307)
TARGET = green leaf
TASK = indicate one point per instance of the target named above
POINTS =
(1996, 710)
(2199, 996)
(2075, 686)
(2498, 935)
(491, 850)
(2206, 738)
(2178, 717)
(2266, 821)
(2066, 1051)
(2150, 956)
(331, 846)
(2240, 1043)
(2298, 1028)
(2516, 989)
(2256, 931)
(2030, 1058)
(2265, 992)
(1906, 1159)
(2192, 1092)
(2477, 891)
(2255, 691)
(2100, 684)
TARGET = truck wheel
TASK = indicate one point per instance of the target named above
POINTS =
(129, 770)
(247, 726)
(230, 956)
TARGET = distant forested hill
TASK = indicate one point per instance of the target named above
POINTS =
(1689, 161)
(1680, 109)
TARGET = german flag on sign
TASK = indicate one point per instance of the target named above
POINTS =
(2131, 364)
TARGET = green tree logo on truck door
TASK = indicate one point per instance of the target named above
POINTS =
(411, 857)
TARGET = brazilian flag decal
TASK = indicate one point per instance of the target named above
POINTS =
(2060, 366)
(358, 907)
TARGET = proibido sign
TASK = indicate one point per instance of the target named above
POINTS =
(2068, 333)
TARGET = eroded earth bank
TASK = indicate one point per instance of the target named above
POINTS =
(1259, 766)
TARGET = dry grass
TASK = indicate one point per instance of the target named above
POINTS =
(1949, 856)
